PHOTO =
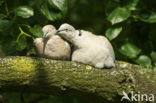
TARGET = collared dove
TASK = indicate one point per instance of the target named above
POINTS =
(38, 45)
(88, 48)
(52, 46)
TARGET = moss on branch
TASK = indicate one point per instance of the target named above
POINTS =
(67, 78)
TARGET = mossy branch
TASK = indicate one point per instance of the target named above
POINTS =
(67, 78)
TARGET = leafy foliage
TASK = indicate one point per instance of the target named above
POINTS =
(24, 20)
(129, 24)
(130, 50)
(118, 15)
(143, 60)
(148, 17)
(113, 32)
(53, 9)
(24, 11)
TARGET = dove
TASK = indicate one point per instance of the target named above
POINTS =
(38, 45)
(89, 48)
(51, 45)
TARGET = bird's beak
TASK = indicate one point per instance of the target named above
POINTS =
(59, 31)
(45, 35)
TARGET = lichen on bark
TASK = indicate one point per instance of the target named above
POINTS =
(68, 78)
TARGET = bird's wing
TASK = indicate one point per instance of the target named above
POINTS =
(109, 45)
(57, 47)
(38, 45)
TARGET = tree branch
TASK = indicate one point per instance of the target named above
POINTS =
(67, 78)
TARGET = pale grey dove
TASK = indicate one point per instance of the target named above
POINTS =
(52, 46)
(88, 48)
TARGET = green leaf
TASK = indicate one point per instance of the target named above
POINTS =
(4, 24)
(149, 17)
(129, 50)
(50, 14)
(12, 46)
(143, 60)
(21, 44)
(24, 11)
(54, 9)
(37, 31)
(60, 4)
(112, 33)
(118, 15)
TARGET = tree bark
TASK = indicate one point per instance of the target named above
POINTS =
(66, 78)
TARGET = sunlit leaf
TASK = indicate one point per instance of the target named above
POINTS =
(118, 15)
(112, 33)
(60, 4)
(24, 11)
(49, 14)
(143, 60)
(37, 31)
(129, 50)
(53, 9)
(149, 17)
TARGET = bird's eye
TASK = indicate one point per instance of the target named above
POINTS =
(66, 29)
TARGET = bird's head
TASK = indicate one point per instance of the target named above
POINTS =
(67, 31)
(49, 31)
